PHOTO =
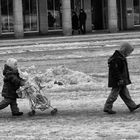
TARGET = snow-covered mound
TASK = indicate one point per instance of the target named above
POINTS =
(59, 78)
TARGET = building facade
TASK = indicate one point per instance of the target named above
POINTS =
(20, 17)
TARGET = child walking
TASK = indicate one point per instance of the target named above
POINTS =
(12, 82)
(119, 79)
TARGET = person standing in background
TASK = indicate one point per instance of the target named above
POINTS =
(51, 20)
(82, 20)
(75, 22)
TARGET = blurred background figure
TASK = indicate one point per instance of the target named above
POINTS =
(82, 20)
(51, 19)
(75, 22)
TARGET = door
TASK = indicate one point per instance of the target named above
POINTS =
(30, 15)
(99, 12)
(121, 14)
(7, 16)
(54, 14)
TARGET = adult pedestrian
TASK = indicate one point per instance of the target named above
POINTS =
(119, 79)
(75, 22)
(82, 20)
(51, 20)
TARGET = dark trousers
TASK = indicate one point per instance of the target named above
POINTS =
(125, 96)
(12, 102)
(83, 28)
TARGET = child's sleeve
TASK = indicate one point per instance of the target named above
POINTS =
(16, 81)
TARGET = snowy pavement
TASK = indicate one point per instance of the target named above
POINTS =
(68, 39)
(80, 104)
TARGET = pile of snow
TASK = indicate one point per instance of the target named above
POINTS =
(59, 78)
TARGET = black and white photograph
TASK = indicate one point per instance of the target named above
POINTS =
(70, 70)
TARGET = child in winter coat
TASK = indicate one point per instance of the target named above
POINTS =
(12, 82)
(119, 79)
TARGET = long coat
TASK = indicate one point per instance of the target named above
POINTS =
(75, 24)
(118, 70)
(82, 17)
(12, 82)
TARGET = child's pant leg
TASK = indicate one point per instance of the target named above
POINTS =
(124, 94)
(14, 106)
(111, 98)
(4, 103)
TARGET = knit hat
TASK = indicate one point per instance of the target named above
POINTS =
(126, 48)
(11, 62)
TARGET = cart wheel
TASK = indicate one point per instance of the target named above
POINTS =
(31, 113)
(54, 111)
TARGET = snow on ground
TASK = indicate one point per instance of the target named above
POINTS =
(67, 46)
(78, 96)
(60, 78)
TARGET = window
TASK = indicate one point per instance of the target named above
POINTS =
(30, 15)
(76, 5)
(136, 4)
(7, 16)
(54, 14)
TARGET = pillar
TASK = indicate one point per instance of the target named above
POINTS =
(18, 18)
(43, 17)
(0, 20)
(66, 17)
(129, 14)
(112, 16)
(87, 9)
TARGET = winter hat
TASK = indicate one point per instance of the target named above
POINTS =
(126, 48)
(11, 62)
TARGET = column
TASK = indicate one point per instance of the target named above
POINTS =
(43, 16)
(18, 18)
(112, 16)
(0, 20)
(87, 9)
(129, 14)
(66, 17)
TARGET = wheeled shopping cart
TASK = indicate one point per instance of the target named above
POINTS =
(36, 99)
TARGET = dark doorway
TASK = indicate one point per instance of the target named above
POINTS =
(121, 13)
(97, 14)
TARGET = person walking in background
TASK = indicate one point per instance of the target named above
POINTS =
(119, 79)
(75, 22)
(12, 82)
(82, 20)
(51, 20)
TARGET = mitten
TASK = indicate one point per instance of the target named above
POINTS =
(121, 83)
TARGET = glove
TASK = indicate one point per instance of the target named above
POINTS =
(121, 83)
(22, 83)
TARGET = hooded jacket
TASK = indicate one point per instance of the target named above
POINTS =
(118, 70)
(12, 82)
